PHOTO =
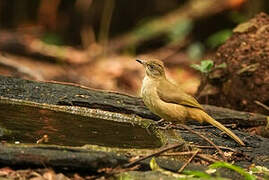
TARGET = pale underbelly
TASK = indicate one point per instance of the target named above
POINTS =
(167, 111)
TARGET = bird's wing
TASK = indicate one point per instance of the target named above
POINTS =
(171, 93)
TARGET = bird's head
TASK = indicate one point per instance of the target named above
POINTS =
(154, 68)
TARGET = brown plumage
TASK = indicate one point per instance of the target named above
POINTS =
(170, 102)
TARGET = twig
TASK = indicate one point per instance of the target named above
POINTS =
(204, 82)
(188, 162)
(105, 23)
(155, 154)
(210, 126)
(212, 147)
(178, 153)
(208, 158)
(262, 105)
(205, 157)
(205, 138)
(21, 68)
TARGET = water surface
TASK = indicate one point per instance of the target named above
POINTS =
(28, 124)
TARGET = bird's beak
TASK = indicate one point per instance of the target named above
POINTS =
(141, 61)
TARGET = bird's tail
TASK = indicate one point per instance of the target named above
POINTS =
(201, 116)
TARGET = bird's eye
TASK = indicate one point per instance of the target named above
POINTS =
(151, 66)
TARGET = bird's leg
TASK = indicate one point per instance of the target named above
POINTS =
(160, 121)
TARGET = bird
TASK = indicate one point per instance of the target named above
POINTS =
(170, 102)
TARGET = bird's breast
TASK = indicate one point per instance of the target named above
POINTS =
(167, 111)
(149, 94)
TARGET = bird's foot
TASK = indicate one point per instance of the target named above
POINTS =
(165, 126)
